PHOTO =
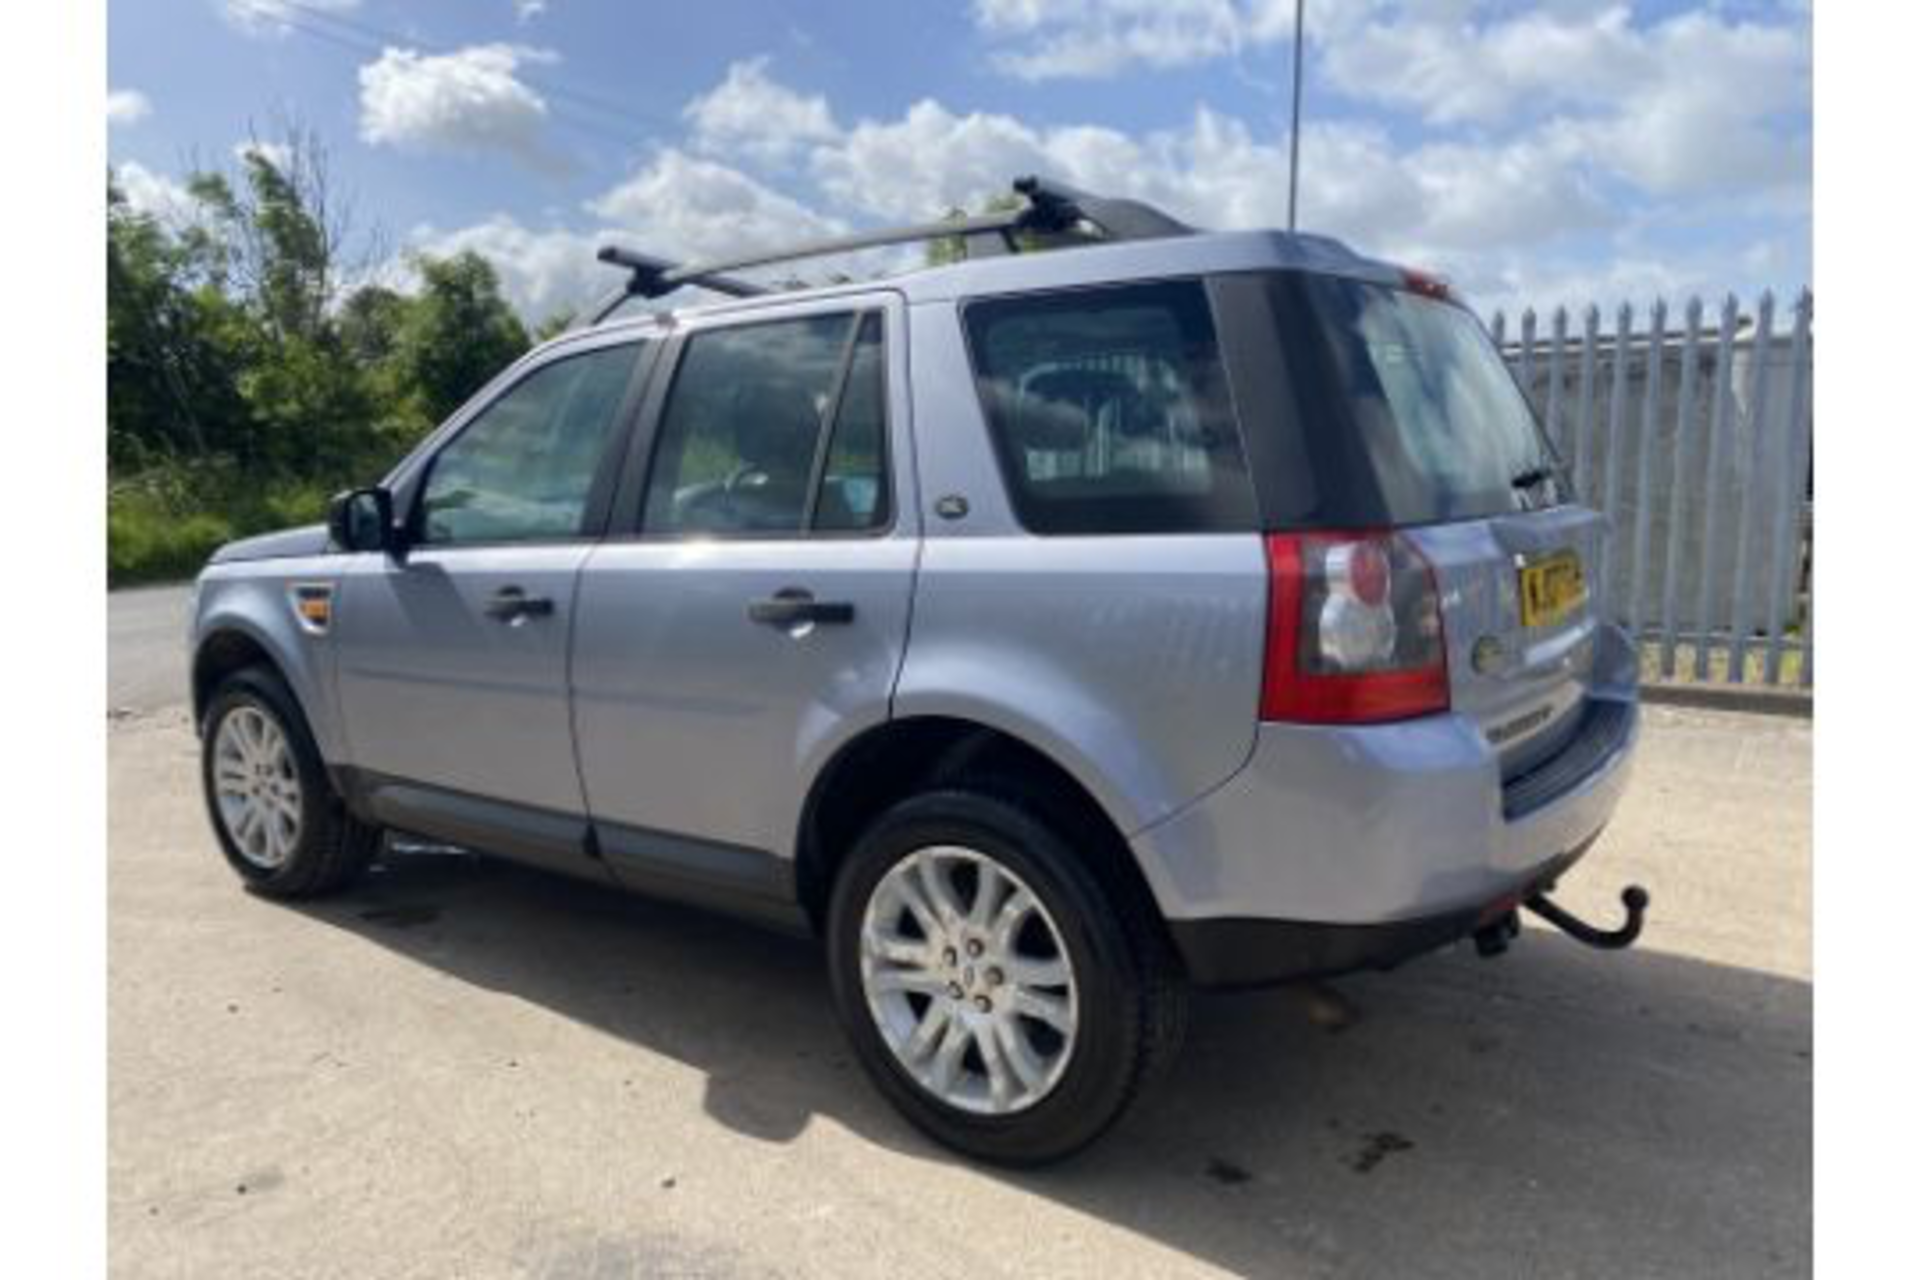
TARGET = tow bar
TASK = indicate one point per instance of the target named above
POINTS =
(1502, 924)
(1633, 898)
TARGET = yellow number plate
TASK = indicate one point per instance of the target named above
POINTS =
(1552, 588)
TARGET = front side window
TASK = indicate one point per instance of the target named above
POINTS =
(522, 469)
(1110, 410)
(774, 429)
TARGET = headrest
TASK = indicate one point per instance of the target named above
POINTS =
(1058, 409)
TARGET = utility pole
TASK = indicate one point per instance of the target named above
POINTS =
(1293, 159)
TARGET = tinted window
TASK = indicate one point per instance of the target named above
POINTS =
(522, 469)
(1444, 425)
(1110, 411)
(740, 440)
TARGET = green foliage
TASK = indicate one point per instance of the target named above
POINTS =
(456, 334)
(246, 383)
(946, 250)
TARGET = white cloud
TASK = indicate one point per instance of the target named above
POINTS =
(1601, 184)
(271, 17)
(541, 271)
(682, 206)
(127, 106)
(678, 206)
(468, 100)
(152, 193)
(751, 113)
(1690, 104)
(1216, 172)
(528, 10)
(1056, 39)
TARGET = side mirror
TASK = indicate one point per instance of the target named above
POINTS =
(362, 520)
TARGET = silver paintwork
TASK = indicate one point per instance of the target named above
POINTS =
(649, 699)
(256, 786)
(945, 972)
(433, 690)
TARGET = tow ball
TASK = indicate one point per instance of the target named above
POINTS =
(1492, 938)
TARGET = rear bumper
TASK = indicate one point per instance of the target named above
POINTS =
(1351, 847)
(1227, 953)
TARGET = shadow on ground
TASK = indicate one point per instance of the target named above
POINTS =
(1556, 1112)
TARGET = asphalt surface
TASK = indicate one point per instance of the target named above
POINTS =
(146, 649)
(465, 1069)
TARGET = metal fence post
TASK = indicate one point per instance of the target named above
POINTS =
(1795, 456)
(1716, 452)
(1616, 448)
(1750, 491)
(1555, 361)
(1583, 417)
(1683, 411)
(1643, 472)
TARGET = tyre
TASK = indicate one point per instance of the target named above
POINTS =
(1009, 1000)
(279, 821)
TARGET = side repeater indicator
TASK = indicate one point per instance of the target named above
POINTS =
(313, 606)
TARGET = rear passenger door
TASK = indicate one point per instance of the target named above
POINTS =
(748, 613)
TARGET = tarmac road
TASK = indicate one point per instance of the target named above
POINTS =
(463, 1069)
(146, 649)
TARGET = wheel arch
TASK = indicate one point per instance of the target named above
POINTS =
(904, 756)
(231, 641)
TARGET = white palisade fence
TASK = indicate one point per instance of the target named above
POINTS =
(1694, 433)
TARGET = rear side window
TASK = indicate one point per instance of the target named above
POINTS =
(1110, 412)
(772, 430)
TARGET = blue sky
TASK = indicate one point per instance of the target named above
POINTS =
(1565, 151)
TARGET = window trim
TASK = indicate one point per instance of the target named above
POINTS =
(597, 509)
(1011, 489)
(628, 515)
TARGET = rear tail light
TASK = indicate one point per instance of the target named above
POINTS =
(1353, 630)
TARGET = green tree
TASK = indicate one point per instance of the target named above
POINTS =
(172, 366)
(458, 332)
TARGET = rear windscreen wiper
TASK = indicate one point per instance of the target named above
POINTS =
(1533, 476)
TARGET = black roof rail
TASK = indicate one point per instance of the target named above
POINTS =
(1051, 208)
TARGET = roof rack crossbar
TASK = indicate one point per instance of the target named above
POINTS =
(1051, 208)
(647, 279)
(994, 222)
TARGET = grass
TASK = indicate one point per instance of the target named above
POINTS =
(163, 524)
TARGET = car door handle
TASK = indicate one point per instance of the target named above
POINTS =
(510, 603)
(796, 605)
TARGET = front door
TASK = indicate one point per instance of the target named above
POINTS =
(453, 654)
(753, 615)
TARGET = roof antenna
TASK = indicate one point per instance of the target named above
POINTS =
(1293, 159)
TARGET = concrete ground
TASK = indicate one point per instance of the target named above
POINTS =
(462, 1069)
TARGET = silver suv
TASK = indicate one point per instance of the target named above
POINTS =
(1048, 631)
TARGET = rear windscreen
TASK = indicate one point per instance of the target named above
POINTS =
(1448, 433)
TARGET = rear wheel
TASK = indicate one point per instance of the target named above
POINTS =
(1002, 995)
(279, 821)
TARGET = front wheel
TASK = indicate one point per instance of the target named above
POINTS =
(279, 822)
(1003, 996)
